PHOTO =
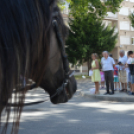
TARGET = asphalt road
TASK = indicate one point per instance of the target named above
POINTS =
(79, 116)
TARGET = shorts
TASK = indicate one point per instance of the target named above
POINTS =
(123, 76)
(128, 77)
(116, 79)
(132, 79)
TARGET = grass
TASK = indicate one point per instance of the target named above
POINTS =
(77, 77)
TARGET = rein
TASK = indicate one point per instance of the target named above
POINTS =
(64, 60)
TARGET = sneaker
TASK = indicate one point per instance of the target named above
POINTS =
(111, 93)
(123, 90)
(106, 93)
(132, 93)
(129, 93)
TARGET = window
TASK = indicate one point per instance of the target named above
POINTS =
(131, 10)
(124, 25)
(124, 40)
(132, 40)
(132, 29)
(124, 11)
(111, 15)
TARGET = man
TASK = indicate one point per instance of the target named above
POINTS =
(122, 70)
(107, 66)
(129, 61)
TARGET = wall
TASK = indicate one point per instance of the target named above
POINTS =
(115, 53)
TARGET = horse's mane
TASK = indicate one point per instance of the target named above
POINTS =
(24, 48)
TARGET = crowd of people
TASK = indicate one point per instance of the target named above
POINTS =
(116, 74)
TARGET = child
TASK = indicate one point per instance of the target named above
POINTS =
(116, 76)
(102, 79)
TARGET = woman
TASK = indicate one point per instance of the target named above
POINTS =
(96, 78)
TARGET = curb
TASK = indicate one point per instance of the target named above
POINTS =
(108, 97)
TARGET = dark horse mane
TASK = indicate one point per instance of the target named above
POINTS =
(24, 48)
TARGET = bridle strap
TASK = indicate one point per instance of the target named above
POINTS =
(63, 54)
(64, 60)
(58, 34)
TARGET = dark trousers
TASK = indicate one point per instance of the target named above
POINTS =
(109, 79)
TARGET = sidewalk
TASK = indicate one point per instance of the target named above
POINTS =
(84, 85)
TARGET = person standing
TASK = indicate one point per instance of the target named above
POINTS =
(96, 78)
(116, 75)
(102, 79)
(107, 66)
(122, 71)
(129, 61)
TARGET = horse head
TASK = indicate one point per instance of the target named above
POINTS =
(32, 45)
(57, 80)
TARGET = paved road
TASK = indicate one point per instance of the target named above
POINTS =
(79, 116)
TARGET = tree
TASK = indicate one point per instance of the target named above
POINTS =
(61, 4)
(82, 7)
(131, 17)
(87, 33)
(88, 38)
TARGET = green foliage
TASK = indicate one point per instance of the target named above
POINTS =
(86, 38)
(131, 17)
(87, 33)
(81, 7)
(61, 4)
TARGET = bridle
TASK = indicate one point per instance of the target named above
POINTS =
(64, 60)
(66, 69)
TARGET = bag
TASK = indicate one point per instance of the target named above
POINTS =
(90, 72)
(92, 91)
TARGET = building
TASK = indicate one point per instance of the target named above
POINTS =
(123, 26)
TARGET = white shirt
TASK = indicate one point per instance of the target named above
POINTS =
(128, 62)
(107, 64)
(131, 61)
(117, 66)
(123, 60)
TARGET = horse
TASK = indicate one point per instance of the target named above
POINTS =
(32, 45)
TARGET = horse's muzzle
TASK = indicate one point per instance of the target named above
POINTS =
(66, 94)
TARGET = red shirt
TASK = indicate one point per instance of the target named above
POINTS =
(115, 71)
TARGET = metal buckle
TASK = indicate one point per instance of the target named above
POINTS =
(71, 74)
